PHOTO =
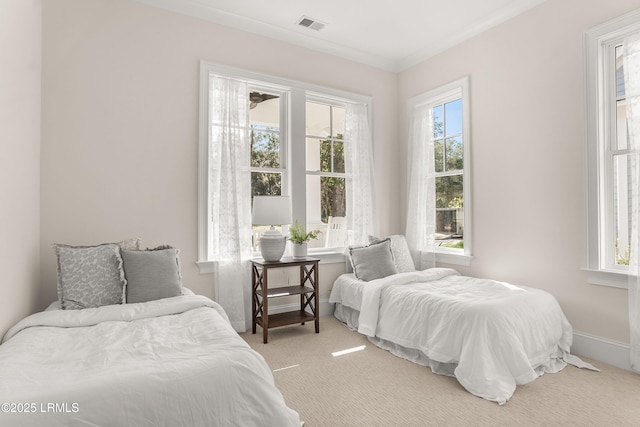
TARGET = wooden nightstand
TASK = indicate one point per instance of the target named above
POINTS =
(307, 289)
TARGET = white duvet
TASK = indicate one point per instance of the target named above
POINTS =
(490, 335)
(171, 362)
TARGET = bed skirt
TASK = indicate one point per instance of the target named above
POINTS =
(349, 317)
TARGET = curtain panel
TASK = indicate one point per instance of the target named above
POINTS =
(360, 178)
(631, 63)
(230, 187)
(421, 197)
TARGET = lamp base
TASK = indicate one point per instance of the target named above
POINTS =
(272, 245)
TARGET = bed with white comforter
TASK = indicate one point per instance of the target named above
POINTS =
(490, 335)
(170, 362)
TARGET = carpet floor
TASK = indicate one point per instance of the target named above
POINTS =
(374, 388)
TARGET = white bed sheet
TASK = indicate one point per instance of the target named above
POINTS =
(171, 362)
(490, 335)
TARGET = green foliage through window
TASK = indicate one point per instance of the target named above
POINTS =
(333, 196)
(265, 153)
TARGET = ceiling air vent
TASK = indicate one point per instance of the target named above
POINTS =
(310, 23)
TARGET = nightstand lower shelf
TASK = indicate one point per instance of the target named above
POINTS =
(288, 318)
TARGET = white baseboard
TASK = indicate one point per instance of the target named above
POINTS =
(326, 308)
(609, 352)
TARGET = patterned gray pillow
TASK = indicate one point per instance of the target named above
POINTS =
(89, 276)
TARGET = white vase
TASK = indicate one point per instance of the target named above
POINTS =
(272, 245)
(300, 250)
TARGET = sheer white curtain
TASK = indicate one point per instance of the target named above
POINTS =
(631, 62)
(421, 197)
(230, 186)
(358, 153)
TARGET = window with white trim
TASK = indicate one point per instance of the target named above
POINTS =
(446, 110)
(325, 165)
(608, 192)
(449, 169)
(296, 135)
(268, 149)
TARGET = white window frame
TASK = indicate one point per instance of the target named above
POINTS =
(334, 103)
(600, 131)
(294, 94)
(283, 132)
(458, 89)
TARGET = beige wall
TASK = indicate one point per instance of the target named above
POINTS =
(20, 45)
(119, 150)
(120, 123)
(528, 155)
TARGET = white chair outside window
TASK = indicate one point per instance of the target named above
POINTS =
(336, 235)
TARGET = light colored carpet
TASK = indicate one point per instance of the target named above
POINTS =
(374, 388)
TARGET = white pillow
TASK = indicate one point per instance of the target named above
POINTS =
(400, 251)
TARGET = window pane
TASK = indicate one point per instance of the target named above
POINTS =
(438, 125)
(621, 208)
(338, 157)
(454, 153)
(449, 212)
(318, 118)
(332, 197)
(265, 148)
(622, 135)
(326, 158)
(325, 155)
(326, 197)
(453, 117)
(438, 149)
(338, 115)
(264, 110)
(314, 147)
(266, 184)
(332, 156)
(619, 72)
(449, 192)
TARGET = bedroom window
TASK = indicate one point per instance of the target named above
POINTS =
(296, 134)
(267, 161)
(439, 195)
(608, 190)
(449, 164)
(325, 169)
(267, 109)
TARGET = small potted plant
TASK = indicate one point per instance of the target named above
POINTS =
(299, 238)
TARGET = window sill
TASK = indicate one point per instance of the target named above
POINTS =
(328, 257)
(611, 279)
(453, 259)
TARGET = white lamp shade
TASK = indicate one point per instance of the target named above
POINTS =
(271, 210)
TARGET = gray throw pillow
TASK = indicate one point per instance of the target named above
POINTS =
(89, 276)
(400, 251)
(152, 274)
(374, 261)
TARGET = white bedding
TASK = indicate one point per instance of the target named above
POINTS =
(171, 362)
(490, 335)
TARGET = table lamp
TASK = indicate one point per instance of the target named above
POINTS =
(271, 210)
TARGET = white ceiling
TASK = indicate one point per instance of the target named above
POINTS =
(388, 34)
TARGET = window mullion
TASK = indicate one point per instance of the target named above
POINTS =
(297, 155)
